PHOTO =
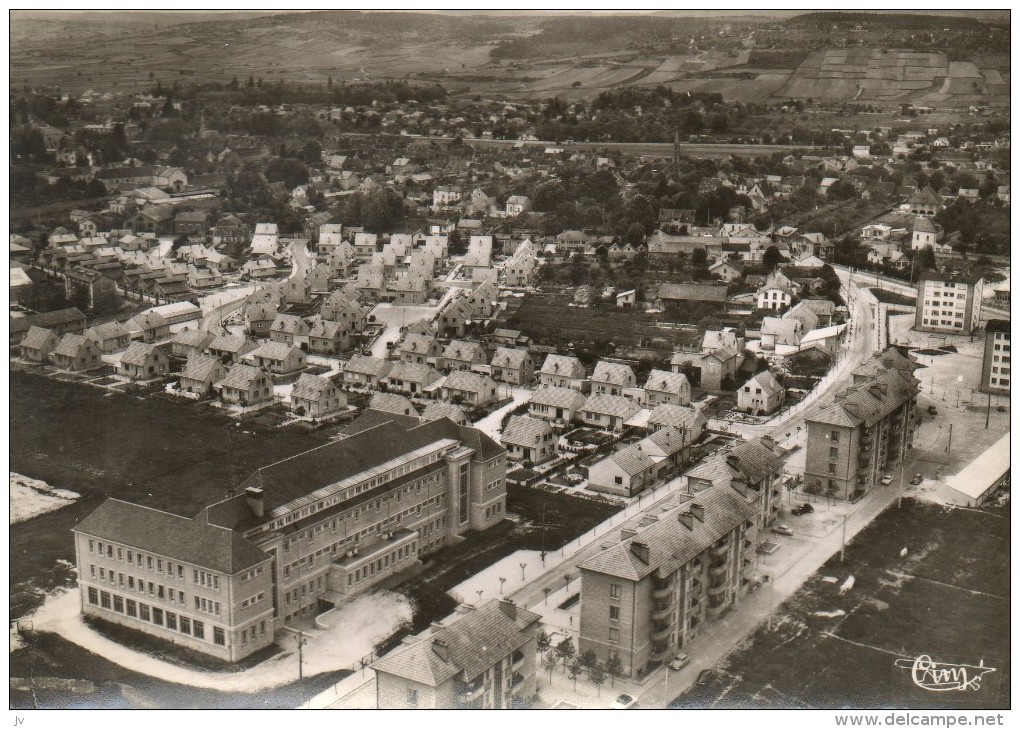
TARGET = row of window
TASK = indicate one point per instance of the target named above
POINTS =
(253, 600)
(312, 588)
(494, 510)
(339, 545)
(155, 615)
(381, 564)
(120, 579)
(355, 514)
(152, 563)
(252, 574)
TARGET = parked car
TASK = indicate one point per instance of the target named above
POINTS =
(706, 676)
(623, 701)
(783, 529)
(932, 410)
(918, 478)
(679, 662)
(804, 508)
(887, 479)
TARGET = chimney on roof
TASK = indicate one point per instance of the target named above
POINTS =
(687, 519)
(509, 608)
(641, 551)
(627, 533)
(768, 441)
(256, 502)
(699, 512)
(441, 649)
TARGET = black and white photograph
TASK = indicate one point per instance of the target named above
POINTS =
(397, 359)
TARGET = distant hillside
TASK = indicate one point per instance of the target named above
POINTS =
(918, 20)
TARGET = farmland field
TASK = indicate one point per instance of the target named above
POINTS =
(946, 596)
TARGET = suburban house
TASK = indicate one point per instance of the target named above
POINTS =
(664, 387)
(389, 402)
(328, 337)
(77, 353)
(513, 366)
(289, 329)
(777, 292)
(529, 439)
(110, 337)
(411, 378)
(612, 378)
(339, 307)
(278, 358)
(201, 373)
(148, 326)
(689, 421)
(416, 348)
(561, 371)
(38, 344)
(231, 347)
(443, 668)
(191, 341)
(454, 319)
(469, 388)
(259, 317)
(143, 361)
(761, 395)
(246, 385)
(642, 465)
(776, 331)
(63, 321)
(365, 371)
(437, 410)
(316, 397)
(461, 355)
(558, 404)
(608, 411)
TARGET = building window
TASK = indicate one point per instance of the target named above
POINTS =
(832, 468)
(185, 625)
(104, 599)
(464, 493)
(834, 452)
(614, 635)
(834, 436)
(157, 615)
(132, 609)
(199, 629)
(118, 603)
(143, 611)
(171, 621)
(614, 612)
(93, 596)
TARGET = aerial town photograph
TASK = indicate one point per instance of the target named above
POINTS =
(509, 359)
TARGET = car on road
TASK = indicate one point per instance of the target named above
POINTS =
(706, 677)
(932, 410)
(679, 662)
(623, 701)
(783, 529)
(917, 479)
(887, 479)
(804, 508)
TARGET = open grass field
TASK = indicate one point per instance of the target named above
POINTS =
(948, 598)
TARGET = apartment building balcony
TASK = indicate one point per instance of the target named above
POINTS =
(717, 569)
(516, 682)
(696, 586)
(662, 593)
(716, 587)
(663, 610)
(718, 550)
(696, 564)
(470, 692)
(660, 651)
(661, 630)
(516, 660)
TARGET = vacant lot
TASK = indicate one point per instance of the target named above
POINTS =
(948, 598)
(547, 317)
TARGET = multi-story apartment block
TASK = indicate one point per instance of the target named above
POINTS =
(645, 597)
(479, 658)
(995, 365)
(852, 443)
(308, 531)
(752, 466)
(948, 303)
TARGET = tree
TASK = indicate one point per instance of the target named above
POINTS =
(699, 258)
(565, 650)
(635, 234)
(549, 661)
(588, 659)
(814, 488)
(833, 491)
(614, 667)
(772, 258)
(575, 669)
(598, 676)
(543, 641)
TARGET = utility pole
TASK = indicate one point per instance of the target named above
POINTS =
(842, 548)
(988, 411)
(300, 652)
(949, 445)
